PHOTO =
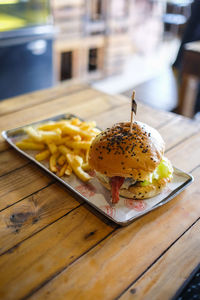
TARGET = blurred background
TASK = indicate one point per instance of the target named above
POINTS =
(114, 45)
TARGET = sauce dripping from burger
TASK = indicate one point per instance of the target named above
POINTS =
(116, 182)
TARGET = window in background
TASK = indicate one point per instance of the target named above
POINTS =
(96, 12)
(95, 17)
(93, 60)
(66, 65)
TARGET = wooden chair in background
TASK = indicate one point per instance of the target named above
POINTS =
(190, 79)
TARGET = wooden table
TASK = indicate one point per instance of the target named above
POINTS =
(54, 246)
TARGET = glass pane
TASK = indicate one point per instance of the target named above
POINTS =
(15, 14)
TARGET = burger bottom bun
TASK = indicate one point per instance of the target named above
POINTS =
(140, 192)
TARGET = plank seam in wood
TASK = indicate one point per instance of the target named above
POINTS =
(45, 100)
(185, 283)
(107, 110)
(65, 267)
(163, 124)
(26, 164)
(174, 146)
(183, 140)
(18, 244)
(76, 207)
(167, 150)
(157, 259)
(194, 169)
(114, 230)
(44, 187)
(89, 99)
(91, 96)
(4, 150)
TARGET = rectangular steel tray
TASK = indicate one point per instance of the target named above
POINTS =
(123, 213)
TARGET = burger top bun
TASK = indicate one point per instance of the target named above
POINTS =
(118, 152)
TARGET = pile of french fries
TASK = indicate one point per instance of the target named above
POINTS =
(64, 143)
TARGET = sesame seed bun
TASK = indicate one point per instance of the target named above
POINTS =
(119, 152)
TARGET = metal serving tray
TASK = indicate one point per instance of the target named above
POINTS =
(126, 210)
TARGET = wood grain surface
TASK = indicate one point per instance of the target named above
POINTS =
(11, 160)
(127, 253)
(54, 246)
(17, 103)
(148, 286)
(33, 213)
(20, 183)
(84, 104)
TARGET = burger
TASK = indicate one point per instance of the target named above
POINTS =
(130, 162)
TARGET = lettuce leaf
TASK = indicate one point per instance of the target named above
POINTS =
(163, 170)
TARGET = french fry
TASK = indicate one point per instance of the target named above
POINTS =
(52, 147)
(42, 155)
(39, 135)
(78, 145)
(76, 162)
(62, 140)
(86, 167)
(51, 136)
(52, 162)
(79, 152)
(61, 160)
(28, 140)
(87, 125)
(30, 145)
(33, 133)
(74, 159)
(65, 143)
(75, 130)
(68, 170)
(77, 138)
(62, 170)
(52, 126)
(81, 174)
(64, 150)
(86, 155)
(75, 121)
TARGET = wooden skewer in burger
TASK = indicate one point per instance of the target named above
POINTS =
(133, 110)
(129, 159)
